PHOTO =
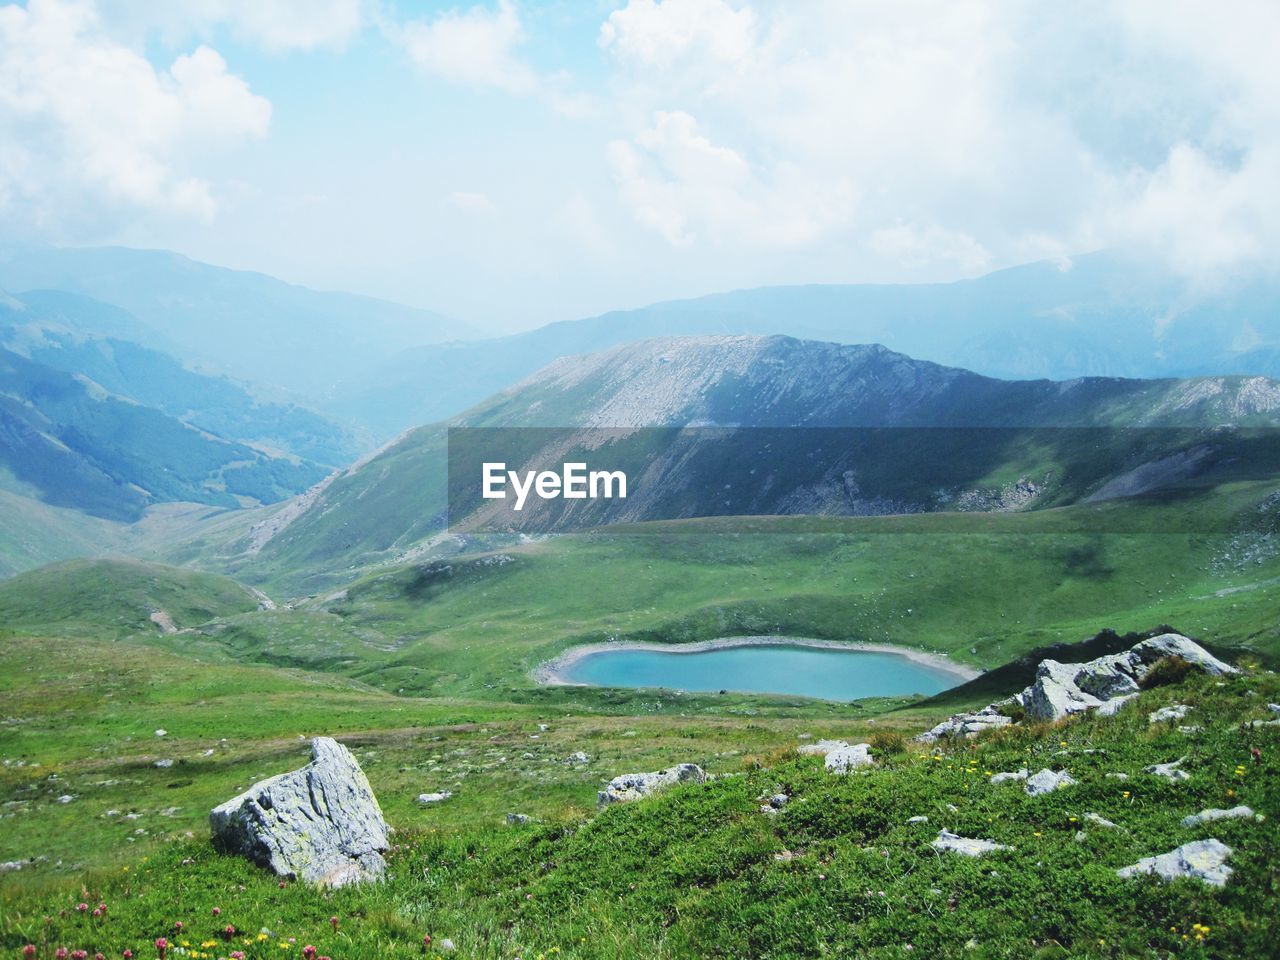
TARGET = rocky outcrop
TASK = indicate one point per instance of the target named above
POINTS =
(320, 824)
(1203, 860)
(1061, 689)
(948, 842)
(633, 786)
(1104, 684)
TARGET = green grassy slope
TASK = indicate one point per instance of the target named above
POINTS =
(982, 588)
(699, 871)
(117, 597)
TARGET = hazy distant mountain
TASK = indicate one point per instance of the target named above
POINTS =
(389, 506)
(248, 325)
(68, 442)
(1099, 315)
(50, 327)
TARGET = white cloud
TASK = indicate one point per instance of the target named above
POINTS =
(679, 183)
(926, 245)
(91, 129)
(276, 25)
(475, 48)
(649, 33)
(970, 134)
(472, 203)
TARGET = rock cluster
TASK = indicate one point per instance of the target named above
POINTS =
(321, 823)
(633, 786)
(1104, 684)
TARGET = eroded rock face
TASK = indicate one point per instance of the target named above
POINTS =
(633, 786)
(321, 823)
(1203, 860)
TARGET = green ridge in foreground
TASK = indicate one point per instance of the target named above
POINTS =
(700, 871)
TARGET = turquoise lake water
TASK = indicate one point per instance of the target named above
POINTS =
(822, 672)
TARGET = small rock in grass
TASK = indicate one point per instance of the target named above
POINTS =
(66, 798)
(921, 819)
(1047, 781)
(163, 764)
(9, 866)
(1204, 860)
(517, 818)
(577, 758)
(1191, 729)
(1175, 711)
(821, 748)
(446, 945)
(162, 732)
(1117, 776)
(1098, 821)
(847, 758)
(1012, 775)
(1169, 771)
(440, 797)
(1206, 816)
(948, 842)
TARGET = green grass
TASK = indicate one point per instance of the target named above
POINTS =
(699, 871)
(118, 597)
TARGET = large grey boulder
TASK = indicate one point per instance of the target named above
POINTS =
(1204, 860)
(321, 823)
(633, 786)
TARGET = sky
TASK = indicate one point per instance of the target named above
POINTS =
(515, 162)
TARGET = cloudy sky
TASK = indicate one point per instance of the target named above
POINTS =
(513, 161)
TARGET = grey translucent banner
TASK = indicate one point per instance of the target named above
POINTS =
(542, 480)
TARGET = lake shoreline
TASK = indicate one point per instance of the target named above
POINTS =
(553, 672)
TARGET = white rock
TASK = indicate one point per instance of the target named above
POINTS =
(66, 798)
(1098, 821)
(321, 823)
(446, 945)
(1113, 706)
(967, 725)
(440, 797)
(1204, 860)
(577, 758)
(162, 732)
(846, 758)
(1169, 770)
(921, 819)
(633, 786)
(517, 818)
(948, 842)
(1191, 729)
(9, 866)
(1175, 711)
(1207, 816)
(163, 764)
(821, 748)
(1047, 781)
(1010, 776)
